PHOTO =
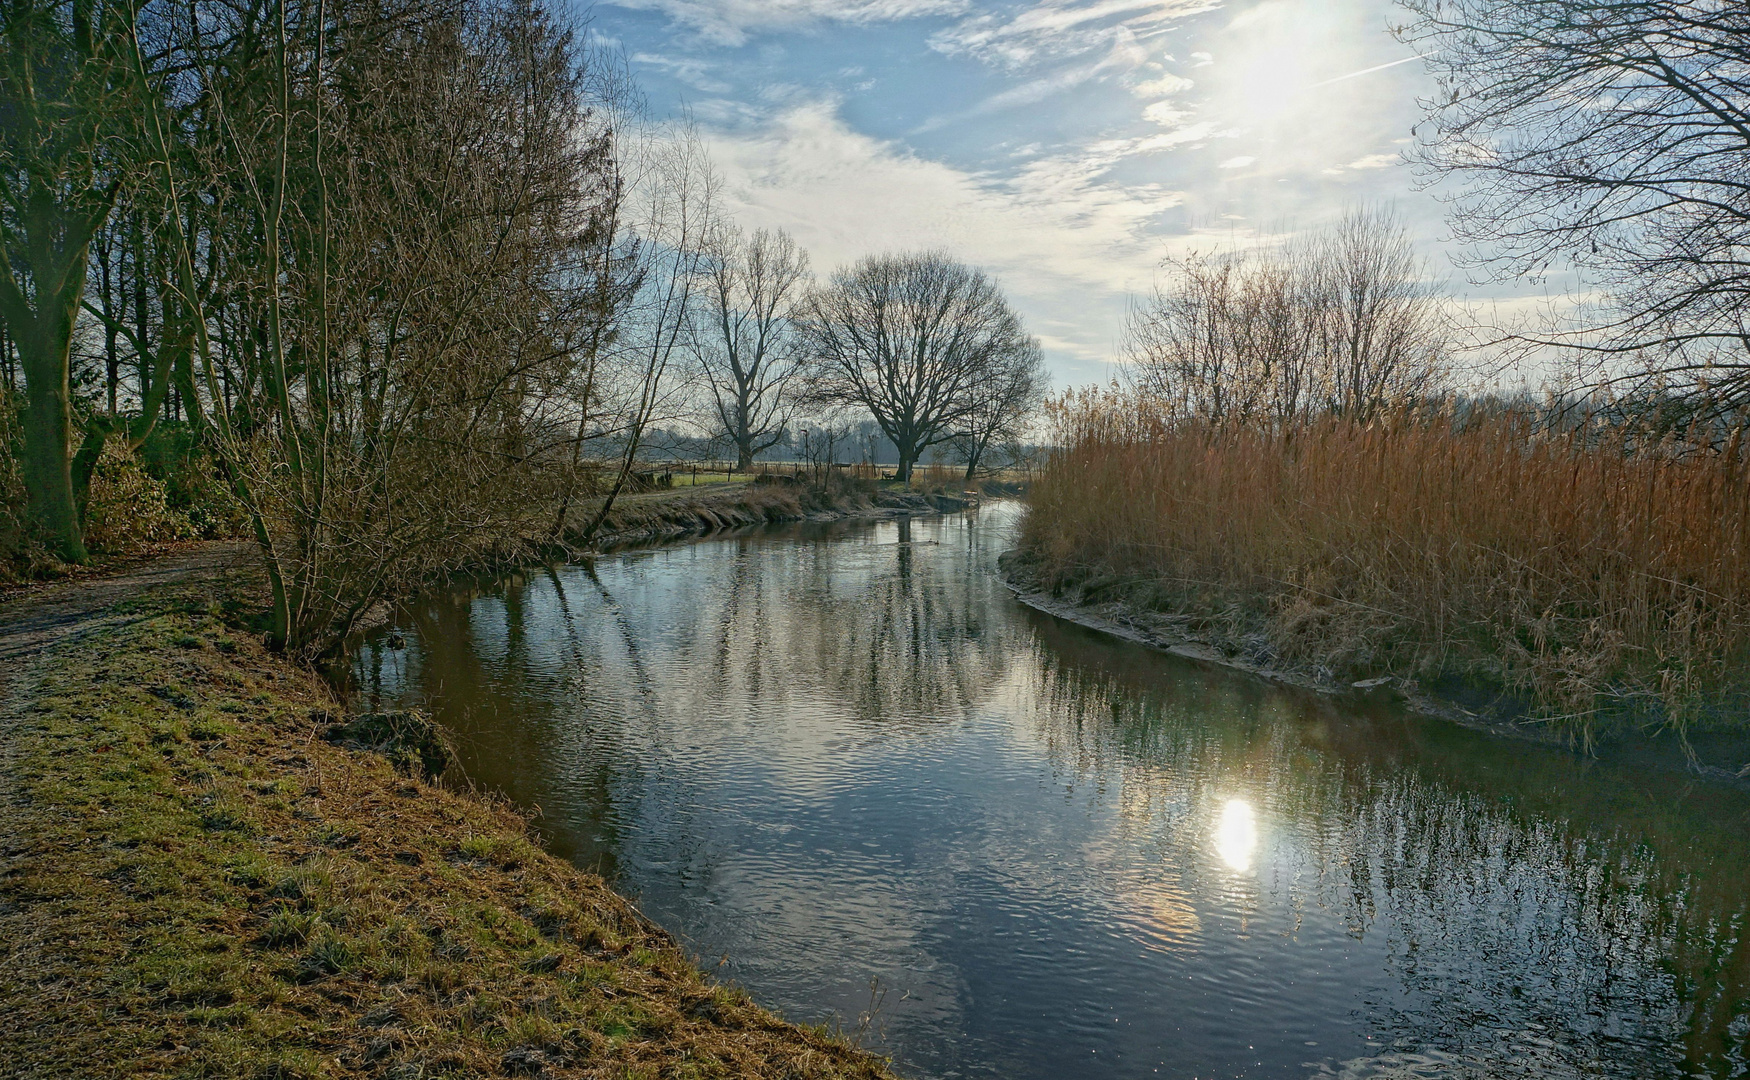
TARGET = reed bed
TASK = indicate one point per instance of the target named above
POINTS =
(1592, 574)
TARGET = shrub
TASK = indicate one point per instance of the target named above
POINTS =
(127, 508)
(192, 485)
(16, 550)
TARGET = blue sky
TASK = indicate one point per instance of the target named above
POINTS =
(1067, 146)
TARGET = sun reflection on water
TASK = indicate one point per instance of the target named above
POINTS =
(1237, 834)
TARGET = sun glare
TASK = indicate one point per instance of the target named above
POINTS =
(1265, 84)
(1236, 836)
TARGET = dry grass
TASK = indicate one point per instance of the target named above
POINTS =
(193, 885)
(1596, 581)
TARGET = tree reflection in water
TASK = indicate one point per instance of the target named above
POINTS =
(840, 751)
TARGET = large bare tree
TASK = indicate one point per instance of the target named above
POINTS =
(914, 338)
(748, 343)
(1611, 137)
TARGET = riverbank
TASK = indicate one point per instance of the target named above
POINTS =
(1122, 610)
(196, 882)
(662, 516)
(1592, 581)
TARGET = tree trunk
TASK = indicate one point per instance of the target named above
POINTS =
(744, 456)
(902, 472)
(48, 422)
(974, 455)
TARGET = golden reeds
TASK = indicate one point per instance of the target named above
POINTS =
(1585, 571)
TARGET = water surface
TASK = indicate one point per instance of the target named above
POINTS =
(831, 757)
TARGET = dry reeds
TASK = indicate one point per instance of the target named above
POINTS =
(1589, 571)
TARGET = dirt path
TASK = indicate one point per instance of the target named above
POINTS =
(31, 620)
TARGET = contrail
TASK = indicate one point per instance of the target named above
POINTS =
(1367, 71)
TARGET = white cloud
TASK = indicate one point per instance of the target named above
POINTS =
(1068, 243)
(1123, 56)
(1162, 87)
(689, 70)
(1060, 27)
(1375, 161)
(731, 22)
(1164, 113)
(1237, 162)
(1189, 133)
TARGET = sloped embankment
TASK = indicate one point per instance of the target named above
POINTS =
(194, 882)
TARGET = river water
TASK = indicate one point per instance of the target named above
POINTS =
(836, 757)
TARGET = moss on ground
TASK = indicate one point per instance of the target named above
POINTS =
(194, 884)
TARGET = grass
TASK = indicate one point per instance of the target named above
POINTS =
(1598, 582)
(194, 884)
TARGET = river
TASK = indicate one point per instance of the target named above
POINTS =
(846, 768)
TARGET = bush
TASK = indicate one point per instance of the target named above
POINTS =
(167, 491)
(192, 486)
(22, 554)
(128, 508)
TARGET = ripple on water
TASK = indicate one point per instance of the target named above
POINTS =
(837, 754)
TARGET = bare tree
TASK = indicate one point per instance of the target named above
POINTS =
(673, 204)
(1007, 402)
(914, 339)
(1229, 338)
(1380, 326)
(748, 344)
(819, 439)
(1342, 321)
(1612, 137)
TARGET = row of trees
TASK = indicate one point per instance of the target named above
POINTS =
(383, 257)
(420, 277)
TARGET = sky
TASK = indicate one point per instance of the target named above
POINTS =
(1068, 147)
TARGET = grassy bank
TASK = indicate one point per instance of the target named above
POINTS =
(1592, 581)
(195, 883)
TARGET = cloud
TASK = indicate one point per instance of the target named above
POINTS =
(1123, 56)
(1164, 113)
(1060, 28)
(1375, 161)
(731, 22)
(689, 70)
(1067, 241)
(1164, 86)
(1237, 162)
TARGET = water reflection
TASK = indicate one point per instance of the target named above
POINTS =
(1236, 835)
(840, 752)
